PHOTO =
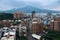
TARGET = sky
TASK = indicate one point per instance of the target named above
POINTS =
(42, 4)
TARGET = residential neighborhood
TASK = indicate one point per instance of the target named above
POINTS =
(32, 27)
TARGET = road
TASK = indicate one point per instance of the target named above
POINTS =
(29, 35)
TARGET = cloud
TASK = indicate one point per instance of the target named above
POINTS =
(46, 4)
(41, 2)
(10, 4)
(57, 8)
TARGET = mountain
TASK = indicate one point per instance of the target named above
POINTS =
(29, 9)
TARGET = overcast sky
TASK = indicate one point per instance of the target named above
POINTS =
(44, 4)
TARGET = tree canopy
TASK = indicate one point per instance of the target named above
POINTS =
(4, 16)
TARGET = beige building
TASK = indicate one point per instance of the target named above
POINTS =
(18, 15)
(55, 24)
(37, 26)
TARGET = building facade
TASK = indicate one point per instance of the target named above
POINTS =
(18, 15)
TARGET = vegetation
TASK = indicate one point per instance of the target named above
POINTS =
(23, 38)
(4, 16)
(53, 35)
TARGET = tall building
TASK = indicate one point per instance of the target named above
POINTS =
(33, 14)
(55, 24)
(1, 23)
(37, 26)
(23, 28)
(19, 15)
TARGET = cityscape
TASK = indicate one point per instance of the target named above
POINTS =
(22, 26)
(30, 20)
